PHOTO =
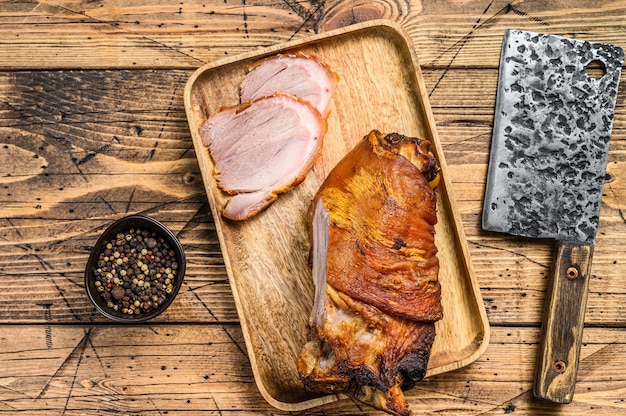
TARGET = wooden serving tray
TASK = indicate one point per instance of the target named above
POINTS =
(381, 87)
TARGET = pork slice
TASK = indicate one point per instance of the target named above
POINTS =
(303, 76)
(262, 148)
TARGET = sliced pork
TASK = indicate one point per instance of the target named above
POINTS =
(375, 269)
(262, 148)
(300, 75)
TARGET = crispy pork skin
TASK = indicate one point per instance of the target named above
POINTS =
(301, 75)
(375, 272)
(262, 148)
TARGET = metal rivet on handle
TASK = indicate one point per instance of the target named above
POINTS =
(559, 367)
(571, 273)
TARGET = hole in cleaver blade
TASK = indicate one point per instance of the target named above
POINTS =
(595, 69)
(552, 124)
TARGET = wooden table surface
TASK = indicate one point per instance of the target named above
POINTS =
(93, 127)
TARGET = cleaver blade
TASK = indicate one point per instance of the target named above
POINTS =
(547, 168)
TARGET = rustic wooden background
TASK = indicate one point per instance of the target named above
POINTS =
(92, 127)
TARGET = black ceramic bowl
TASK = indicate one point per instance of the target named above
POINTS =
(101, 293)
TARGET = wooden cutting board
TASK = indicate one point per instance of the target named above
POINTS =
(381, 87)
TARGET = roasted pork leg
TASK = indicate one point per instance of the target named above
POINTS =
(376, 273)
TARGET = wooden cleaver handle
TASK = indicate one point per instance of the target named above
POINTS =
(563, 322)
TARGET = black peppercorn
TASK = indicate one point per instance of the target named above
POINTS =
(118, 292)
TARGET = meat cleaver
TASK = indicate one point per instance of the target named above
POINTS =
(547, 166)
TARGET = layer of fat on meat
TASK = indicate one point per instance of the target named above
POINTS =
(246, 204)
(320, 234)
(303, 76)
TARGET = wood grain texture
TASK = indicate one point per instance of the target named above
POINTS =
(563, 322)
(154, 369)
(266, 257)
(78, 150)
(92, 127)
(173, 34)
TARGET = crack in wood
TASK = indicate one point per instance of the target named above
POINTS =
(219, 411)
(47, 267)
(77, 165)
(130, 200)
(169, 109)
(185, 151)
(189, 225)
(32, 12)
(424, 387)
(107, 204)
(204, 305)
(619, 208)
(67, 303)
(464, 39)
(241, 350)
(599, 359)
(17, 231)
(480, 23)
(453, 145)
(14, 391)
(115, 26)
(525, 257)
(152, 152)
(527, 16)
(462, 42)
(66, 361)
(245, 20)
(592, 364)
(358, 405)
(305, 14)
(149, 398)
(82, 347)
(91, 155)
(193, 222)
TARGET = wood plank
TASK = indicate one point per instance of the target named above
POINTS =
(44, 274)
(184, 369)
(106, 34)
(79, 150)
(469, 34)
(99, 133)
